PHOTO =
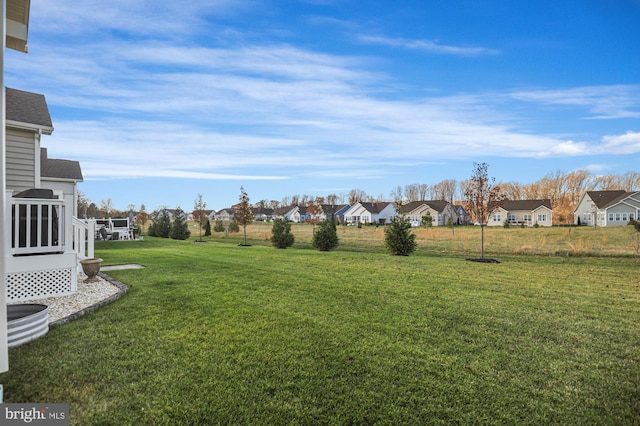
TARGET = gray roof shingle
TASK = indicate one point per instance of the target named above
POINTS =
(59, 169)
(28, 108)
(604, 199)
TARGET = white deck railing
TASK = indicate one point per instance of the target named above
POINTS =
(42, 226)
(37, 226)
(83, 237)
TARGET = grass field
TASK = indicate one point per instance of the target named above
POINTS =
(214, 333)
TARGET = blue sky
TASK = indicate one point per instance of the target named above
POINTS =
(161, 100)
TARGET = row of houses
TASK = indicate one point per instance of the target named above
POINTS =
(441, 213)
(596, 208)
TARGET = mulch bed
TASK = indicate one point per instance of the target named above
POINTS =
(484, 260)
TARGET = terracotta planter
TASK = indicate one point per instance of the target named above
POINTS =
(91, 267)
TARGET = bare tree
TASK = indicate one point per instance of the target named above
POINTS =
(357, 196)
(243, 214)
(411, 192)
(512, 190)
(199, 214)
(397, 195)
(83, 204)
(630, 181)
(106, 206)
(482, 197)
(423, 188)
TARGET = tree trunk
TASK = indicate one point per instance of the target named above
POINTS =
(482, 241)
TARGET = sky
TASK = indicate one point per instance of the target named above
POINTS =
(160, 100)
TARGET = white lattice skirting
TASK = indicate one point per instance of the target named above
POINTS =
(38, 284)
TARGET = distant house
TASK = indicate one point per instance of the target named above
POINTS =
(607, 208)
(290, 213)
(522, 212)
(439, 210)
(463, 217)
(334, 211)
(224, 214)
(262, 214)
(171, 213)
(381, 213)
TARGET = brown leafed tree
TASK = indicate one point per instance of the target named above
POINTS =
(314, 208)
(482, 196)
(243, 213)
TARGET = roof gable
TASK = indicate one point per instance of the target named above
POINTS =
(437, 205)
(334, 208)
(59, 169)
(604, 199)
(26, 109)
(375, 207)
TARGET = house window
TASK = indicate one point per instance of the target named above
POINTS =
(497, 218)
(630, 216)
(625, 216)
(542, 218)
(610, 217)
(617, 217)
(527, 218)
(512, 218)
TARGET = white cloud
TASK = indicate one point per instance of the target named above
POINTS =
(603, 102)
(628, 143)
(427, 46)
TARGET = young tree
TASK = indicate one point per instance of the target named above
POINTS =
(207, 228)
(281, 234)
(243, 213)
(398, 238)
(314, 208)
(179, 227)
(326, 237)
(427, 220)
(198, 213)
(218, 227)
(482, 197)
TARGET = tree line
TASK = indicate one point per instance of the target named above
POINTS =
(563, 189)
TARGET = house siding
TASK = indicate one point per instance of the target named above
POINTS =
(622, 211)
(21, 160)
(616, 213)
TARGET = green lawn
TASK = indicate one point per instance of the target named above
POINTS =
(213, 333)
